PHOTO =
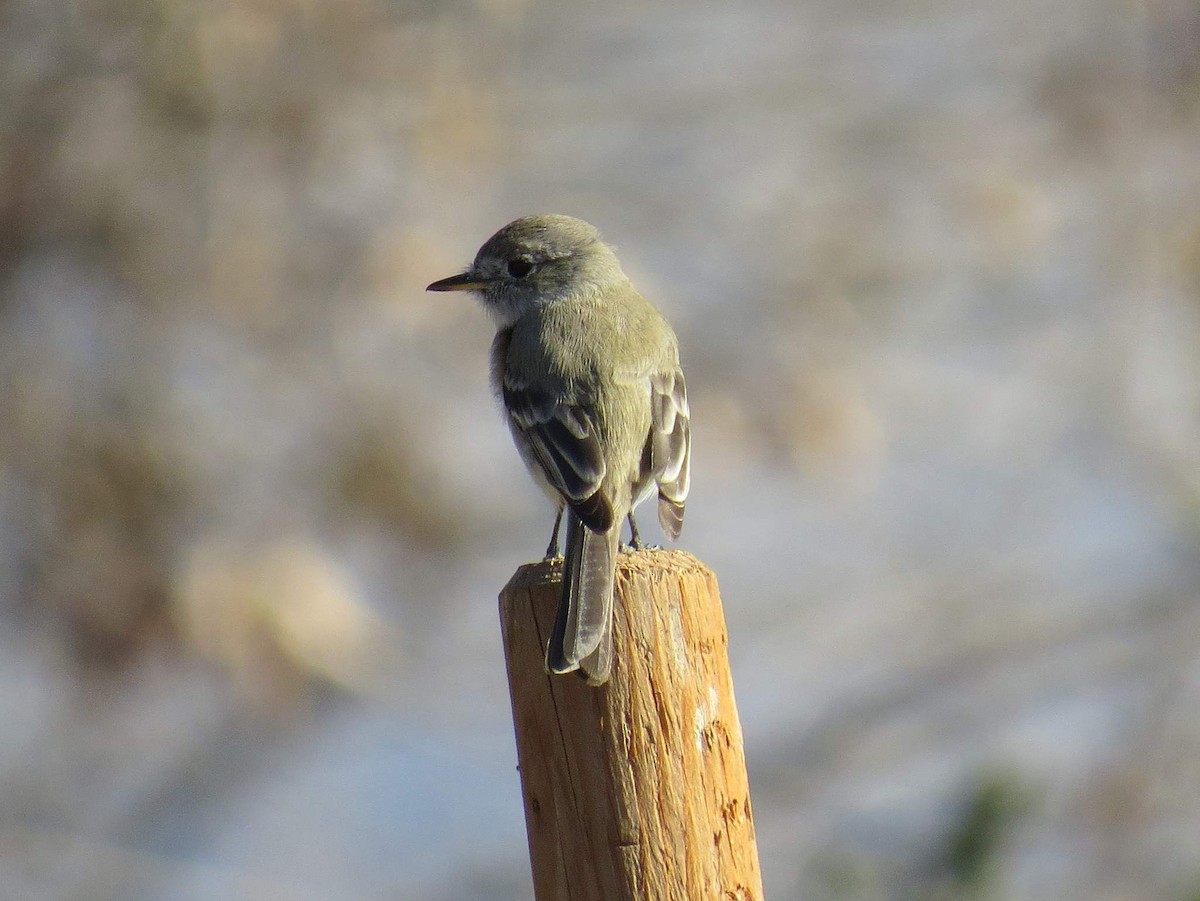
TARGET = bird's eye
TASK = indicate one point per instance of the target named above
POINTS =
(519, 268)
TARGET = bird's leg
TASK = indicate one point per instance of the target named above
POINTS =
(635, 540)
(552, 548)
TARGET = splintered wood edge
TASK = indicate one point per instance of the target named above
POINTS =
(656, 561)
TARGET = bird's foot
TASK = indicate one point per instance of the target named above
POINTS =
(552, 553)
(634, 547)
(635, 540)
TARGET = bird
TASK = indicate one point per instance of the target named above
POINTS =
(588, 374)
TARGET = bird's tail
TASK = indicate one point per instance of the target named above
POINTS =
(582, 636)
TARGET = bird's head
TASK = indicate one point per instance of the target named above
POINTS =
(535, 261)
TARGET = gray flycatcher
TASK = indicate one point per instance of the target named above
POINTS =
(589, 376)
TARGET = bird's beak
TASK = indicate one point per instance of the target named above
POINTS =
(468, 281)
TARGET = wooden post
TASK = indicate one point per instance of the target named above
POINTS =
(636, 790)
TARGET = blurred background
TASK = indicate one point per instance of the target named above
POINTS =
(935, 268)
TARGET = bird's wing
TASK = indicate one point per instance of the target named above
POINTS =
(562, 437)
(671, 443)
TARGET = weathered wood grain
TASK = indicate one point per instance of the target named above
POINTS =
(636, 790)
